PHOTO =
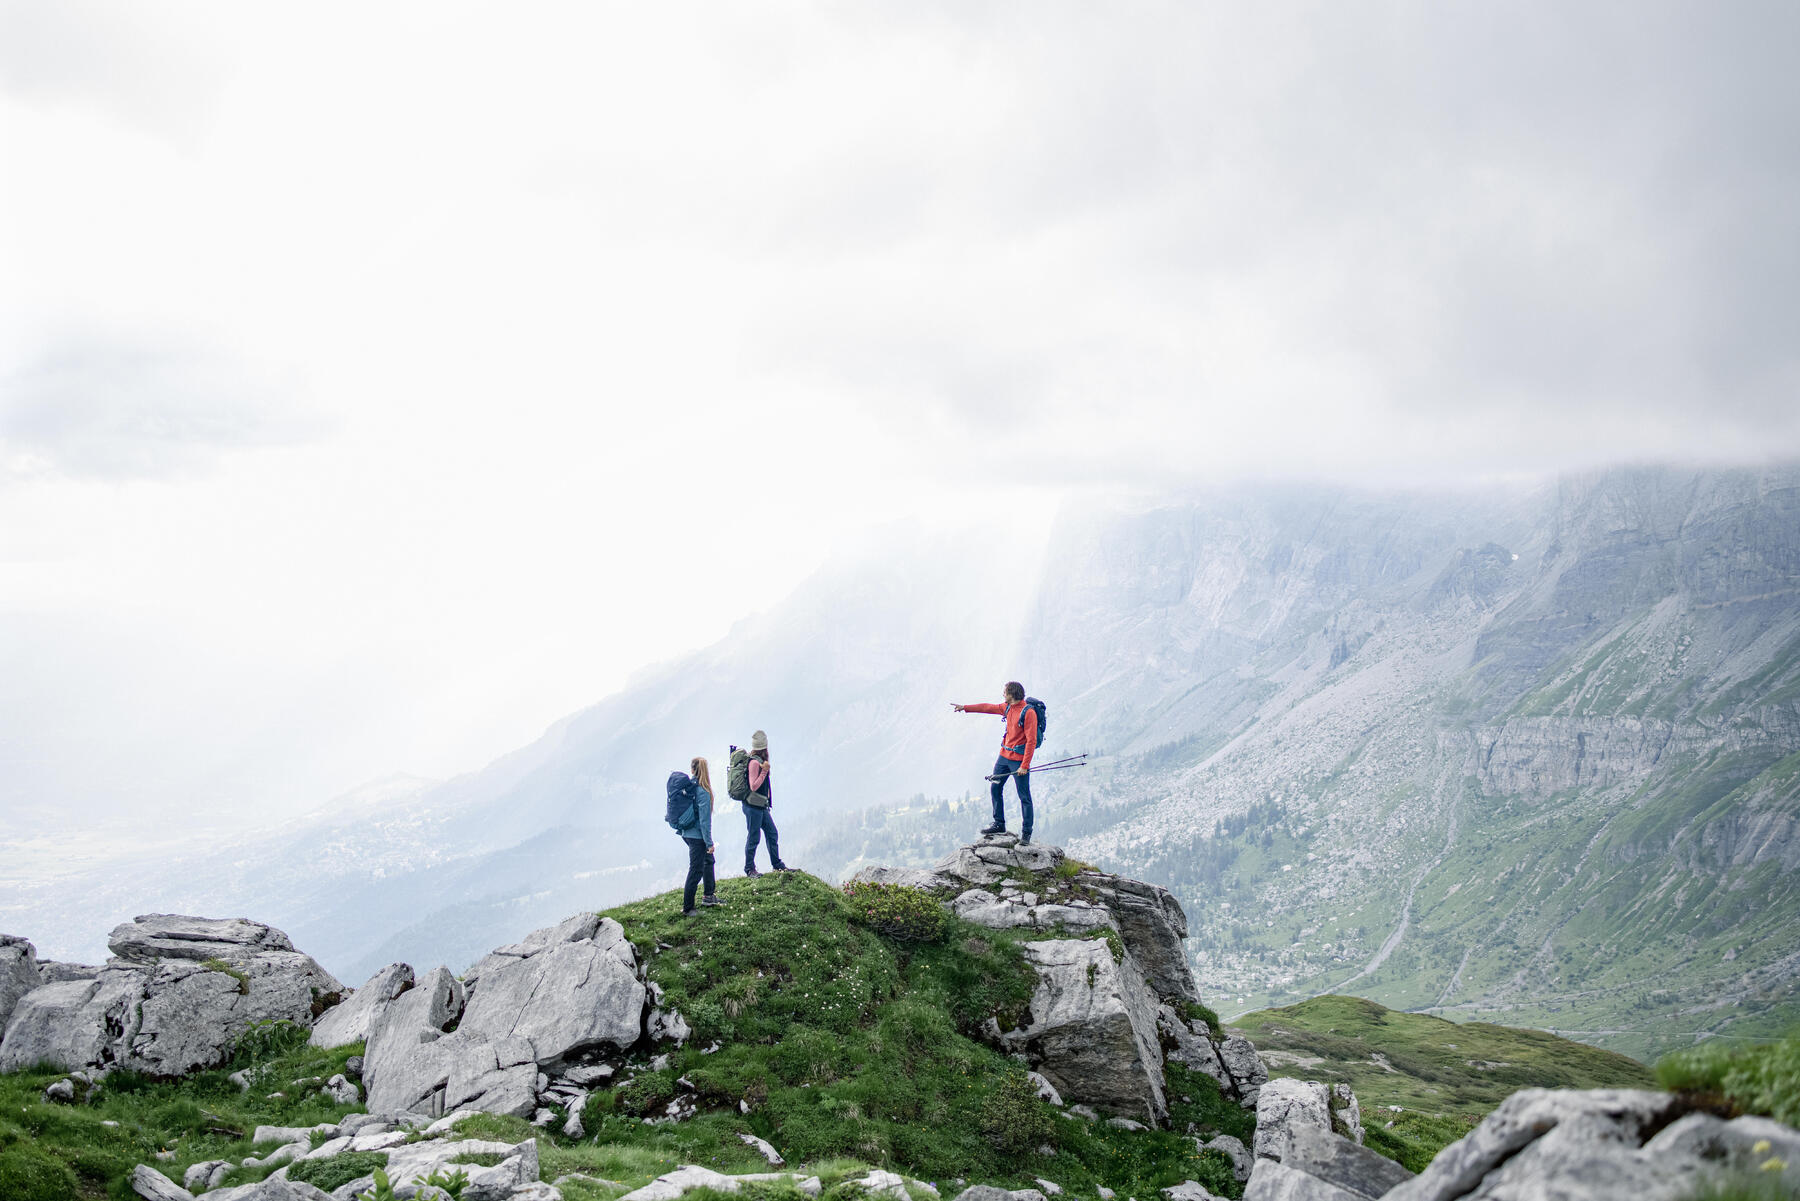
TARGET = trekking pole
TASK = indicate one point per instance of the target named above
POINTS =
(1034, 771)
(1058, 762)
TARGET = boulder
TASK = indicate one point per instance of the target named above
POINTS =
(171, 1015)
(1093, 1028)
(348, 1021)
(1346, 1113)
(1241, 1159)
(1286, 1106)
(1245, 1067)
(1189, 1190)
(72, 1024)
(1342, 1163)
(152, 937)
(1272, 1181)
(563, 1000)
(191, 1015)
(198, 1177)
(583, 927)
(1593, 1144)
(560, 993)
(152, 1185)
(18, 973)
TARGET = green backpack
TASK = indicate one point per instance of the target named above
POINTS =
(737, 778)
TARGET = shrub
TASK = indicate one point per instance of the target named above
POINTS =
(1013, 1118)
(335, 1171)
(1193, 1011)
(643, 1095)
(1757, 1079)
(899, 912)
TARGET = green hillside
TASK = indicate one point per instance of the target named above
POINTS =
(1443, 1076)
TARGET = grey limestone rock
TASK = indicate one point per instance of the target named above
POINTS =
(982, 907)
(152, 1185)
(1342, 1163)
(562, 1001)
(349, 1021)
(1241, 1159)
(1188, 1190)
(1286, 1106)
(1548, 1143)
(152, 937)
(52, 972)
(158, 1008)
(1152, 923)
(1272, 1181)
(1245, 1067)
(1346, 1113)
(18, 973)
(908, 877)
(1093, 1028)
(199, 1176)
(71, 1024)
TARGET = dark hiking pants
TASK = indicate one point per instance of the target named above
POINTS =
(1004, 767)
(700, 867)
(760, 821)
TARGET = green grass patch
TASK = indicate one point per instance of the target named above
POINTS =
(67, 1151)
(335, 1170)
(1760, 1079)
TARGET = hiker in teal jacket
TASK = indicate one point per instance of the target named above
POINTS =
(698, 835)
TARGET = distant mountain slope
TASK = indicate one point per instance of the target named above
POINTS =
(1527, 754)
(1421, 1062)
(1531, 759)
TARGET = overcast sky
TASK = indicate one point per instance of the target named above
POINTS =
(379, 383)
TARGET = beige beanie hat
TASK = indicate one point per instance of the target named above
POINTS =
(759, 741)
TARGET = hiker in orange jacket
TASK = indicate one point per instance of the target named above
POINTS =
(1017, 743)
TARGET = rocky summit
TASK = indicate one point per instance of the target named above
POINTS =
(1010, 1013)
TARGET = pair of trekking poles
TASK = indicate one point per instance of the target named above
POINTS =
(1054, 765)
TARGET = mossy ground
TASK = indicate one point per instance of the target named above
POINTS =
(1445, 1076)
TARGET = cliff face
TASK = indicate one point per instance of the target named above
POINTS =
(1525, 757)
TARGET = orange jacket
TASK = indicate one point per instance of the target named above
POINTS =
(1020, 739)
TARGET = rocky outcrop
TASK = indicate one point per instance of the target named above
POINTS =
(177, 998)
(18, 973)
(1604, 1145)
(1228, 1057)
(348, 1022)
(1110, 973)
(1093, 1031)
(530, 1024)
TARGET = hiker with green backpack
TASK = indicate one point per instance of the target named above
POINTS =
(748, 784)
(1023, 734)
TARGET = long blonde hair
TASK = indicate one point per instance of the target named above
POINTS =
(702, 776)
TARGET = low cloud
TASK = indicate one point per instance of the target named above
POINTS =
(110, 411)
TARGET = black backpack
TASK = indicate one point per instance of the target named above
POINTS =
(684, 800)
(1043, 721)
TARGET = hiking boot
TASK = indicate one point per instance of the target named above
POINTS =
(1025, 841)
(993, 830)
(711, 902)
(782, 867)
(689, 912)
(751, 873)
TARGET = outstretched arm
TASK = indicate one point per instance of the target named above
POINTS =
(1000, 709)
